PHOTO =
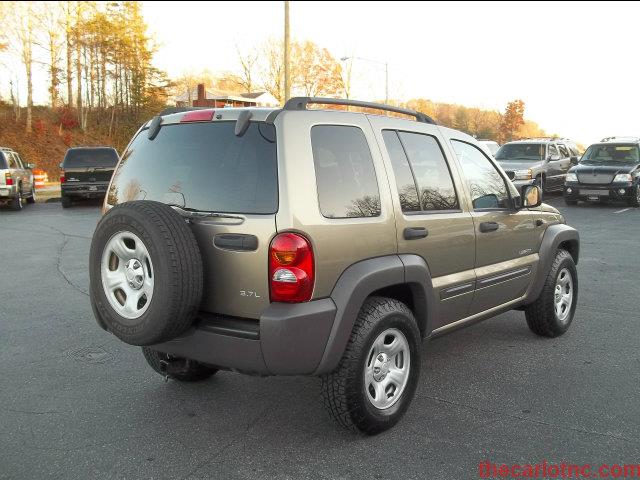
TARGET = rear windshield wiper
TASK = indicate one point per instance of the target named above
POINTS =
(194, 213)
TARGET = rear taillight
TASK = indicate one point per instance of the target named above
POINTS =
(7, 179)
(291, 273)
(63, 178)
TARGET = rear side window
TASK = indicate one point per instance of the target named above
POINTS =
(345, 176)
(406, 183)
(11, 160)
(90, 157)
(564, 153)
(202, 166)
(487, 187)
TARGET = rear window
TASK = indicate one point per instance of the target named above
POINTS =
(521, 151)
(3, 162)
(90, 157)
(203, 166)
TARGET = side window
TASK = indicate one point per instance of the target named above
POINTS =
(345, 176)
(552, 151)
(487, 187)
(564, 153)
(12, 160)
(431, 171)
(407, 190)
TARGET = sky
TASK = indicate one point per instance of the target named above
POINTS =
(575, 64)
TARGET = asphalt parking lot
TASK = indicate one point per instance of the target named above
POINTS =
(77, 403)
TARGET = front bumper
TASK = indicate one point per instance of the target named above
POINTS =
(613, 192)
(84, 190)
(289, 339)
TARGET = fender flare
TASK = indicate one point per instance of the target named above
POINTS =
(554, 236)
(359, 281)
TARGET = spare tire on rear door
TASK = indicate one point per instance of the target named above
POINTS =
(145, 273)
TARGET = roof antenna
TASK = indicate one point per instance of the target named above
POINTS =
(243, 122)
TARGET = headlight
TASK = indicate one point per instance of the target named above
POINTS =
(523, 174)
(571, 177)
(623, 177)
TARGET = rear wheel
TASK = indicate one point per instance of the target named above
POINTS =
(377, 376)
(32, 198)
(16, 202)
(65, 201)
(179, 369)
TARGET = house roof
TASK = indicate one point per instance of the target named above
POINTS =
(212, 94)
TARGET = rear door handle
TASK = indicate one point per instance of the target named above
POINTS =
(488, 227)
(415, 233)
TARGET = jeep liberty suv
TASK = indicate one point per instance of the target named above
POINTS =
(319, 242)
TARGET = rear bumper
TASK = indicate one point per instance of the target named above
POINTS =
(603, 193)
(289, 339)
(84, 190)
(7, 192)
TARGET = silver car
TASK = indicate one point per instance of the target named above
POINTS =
(16, 180)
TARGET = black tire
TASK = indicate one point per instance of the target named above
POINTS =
(32, 198)
(343, 390)
(177, 272)
(16, 202)
(635, 200)
(65, 201)
(569, 202)
(541, 315)
(190, 371)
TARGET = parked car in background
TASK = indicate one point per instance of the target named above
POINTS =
(492, 146)
(538, 161)
(16, 180)
(319, 242)
(86, 172)
(608, 171)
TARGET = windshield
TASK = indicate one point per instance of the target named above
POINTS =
(202, 166)
(611, 153)
(90, 157)
(521, 151)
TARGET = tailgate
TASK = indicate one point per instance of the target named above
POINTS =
(88, 175)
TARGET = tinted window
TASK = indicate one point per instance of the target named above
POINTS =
(203, 166)
(430, 170)
(564, 153)
(345, 176)
(521, 151)
(404, 177)
(90, 157)
(487, 187)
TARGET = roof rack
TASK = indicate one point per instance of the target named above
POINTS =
(300, 103)
(629, 139)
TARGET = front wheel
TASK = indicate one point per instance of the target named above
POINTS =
(552, 312)
(377, 376)
(635, 200)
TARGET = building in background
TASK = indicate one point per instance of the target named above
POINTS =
(201, 97)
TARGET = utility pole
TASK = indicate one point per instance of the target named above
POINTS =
(287, 51)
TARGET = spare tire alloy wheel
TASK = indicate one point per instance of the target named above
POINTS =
(386, 372)
(127, 275)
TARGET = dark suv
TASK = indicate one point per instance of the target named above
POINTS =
(608, 171)
(86, 172)
(320, 242)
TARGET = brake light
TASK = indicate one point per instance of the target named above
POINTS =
(8, 181)
(291, 274)
(198, 116)
(63, 178)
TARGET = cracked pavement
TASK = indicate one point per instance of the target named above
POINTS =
(77, 403)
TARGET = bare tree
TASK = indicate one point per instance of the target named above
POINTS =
(272, 68)
(50, 23)
(68, 37)
(248, 65)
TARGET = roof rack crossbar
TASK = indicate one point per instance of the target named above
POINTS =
(300, 103)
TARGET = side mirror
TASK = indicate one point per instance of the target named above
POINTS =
(30, 166)
(554, 158)
(573, 160)
(61, 167)
(532, 196)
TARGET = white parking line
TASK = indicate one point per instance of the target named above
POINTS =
(623, 210)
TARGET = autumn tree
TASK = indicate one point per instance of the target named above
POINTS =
(512, 120)
(314, 70)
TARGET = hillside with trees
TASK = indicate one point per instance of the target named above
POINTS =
(102, 84)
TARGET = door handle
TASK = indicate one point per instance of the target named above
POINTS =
(415, 233)
(488, 227)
